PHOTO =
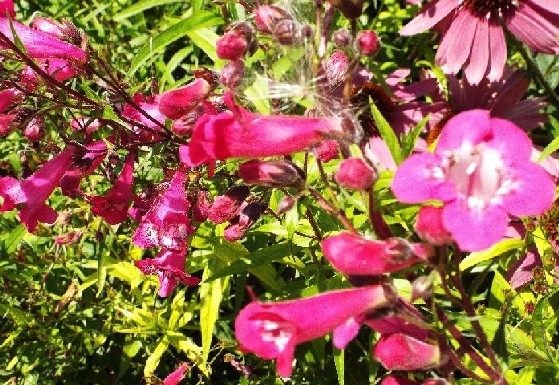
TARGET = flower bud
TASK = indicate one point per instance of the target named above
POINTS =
(286, 204)
(400, 351)
(327, 150)
(397, 379)
(267, 16)
(341, 38)
(335, 68)
(202, 206)
(351, 9)
(271, 173)
(430, 226)
(422, 287)
(233, 45)
(354, 173)
(286, 32)
(226, 206)
(233, 73)
(242, 222)
(368, 43)
(35, 129)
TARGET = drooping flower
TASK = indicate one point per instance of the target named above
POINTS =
(41, 45)
(166, 224)
(243, 221)
(169, 268)
(354, 255)
(32, 192)
(113, 207)
(272, 330)
(226, 206)
(400, 351)
(179, 102)
(473, 36)
(177, 376)
(83, 166)
(481, 171)
(271, 173)
(239, 133)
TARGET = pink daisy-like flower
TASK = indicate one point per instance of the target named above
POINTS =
(473, 36)
(481, 171)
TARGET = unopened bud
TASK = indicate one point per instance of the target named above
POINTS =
(354, 173)
(226, 206)
(233, 73)
(233, 45)
(341, 38)
(430, 226)
(422, 287)
(286, 32)
(267, 16)
(400, 351)
(271, 173)
(397, 379)
(327, 150)
(335, 68)
(35, 129)
(351, 9)
(286, 204)
(368, 43)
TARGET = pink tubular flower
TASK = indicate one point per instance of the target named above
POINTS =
(354, 255)
(400, 351)
(474, 38)
(177, 376)
(113, 207)
(355, 174)
(272, 330)
(41, 45)
(82, 167)
(35, 190)
(169, 268)
(7, 8)
(481, 171)
(430, 226)
(166, 224)
(179, 102)
(226, 206)
(271, 173)
(240, 133)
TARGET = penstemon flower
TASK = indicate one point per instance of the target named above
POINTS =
(481, 171)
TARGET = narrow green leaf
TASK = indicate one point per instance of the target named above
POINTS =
(542, 321)
(554, 145)
(339, 361)
(408, 141)
(205, 39)
(140, 7)
(494, 251)
(387, 133)
(14, 238)
(171, 34)
(211, 294)
(153, 360)
(499, 343)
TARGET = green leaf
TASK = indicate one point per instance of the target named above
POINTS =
(339, 361)
(554, 145)
(499, 343)
(494, 251)
(173, 33)
(140, 7)
(387, 133)
(544, 319)
(153, 360)
(14, 238)
(205, 39)
(408, 141)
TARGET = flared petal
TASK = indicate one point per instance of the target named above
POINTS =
(512, 143)
(457, 42)
(534, 30)
(458, 130)
(429, 16)
(498, 50)
(478, 61)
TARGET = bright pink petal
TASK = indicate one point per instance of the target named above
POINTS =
(510, 141)
(471, 127)
(551, 6)
(522, 271)
(345, 333)
(429, 16)
(178, 102)
(11, 192)
(419, 178)
(475, 230)
(457, 42)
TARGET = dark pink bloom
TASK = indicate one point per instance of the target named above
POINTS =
(354, 255)
(35, 190)
(240, 133)
(327, 150)
(169, 268)
(354, 173)
(226, 206)
(7, 8)
(481, 171)
(82, 167)
(241, 223)
(166, 224)
(68, 238)
(397, 379)
(179, 102)
(351, 9)
(271, 173)
(154, 121)
(41, 45)
(272, 330)
(7, 125)
(59, 69)
(201, 206)
(430, 226)
(113, 207)
(368, 43)
(232, 74)
(177, 376)
(473, 36)
(400, 351)
(231, 46)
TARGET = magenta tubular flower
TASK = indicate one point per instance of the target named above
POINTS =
(474, 38)
(169, 268)
(430, 226)
(82, 167)
(354, 255)
(166, 224)
(481, 171)
(113, 207)
(41, 45)
(240, 133)
(400, 351)
(404, 318)
(35, 190)
(271, 173)
(272, 330)
(177, 376)
(226, 206)
(232, 46)
(155, 122)
(7, 8)
(179, 102)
